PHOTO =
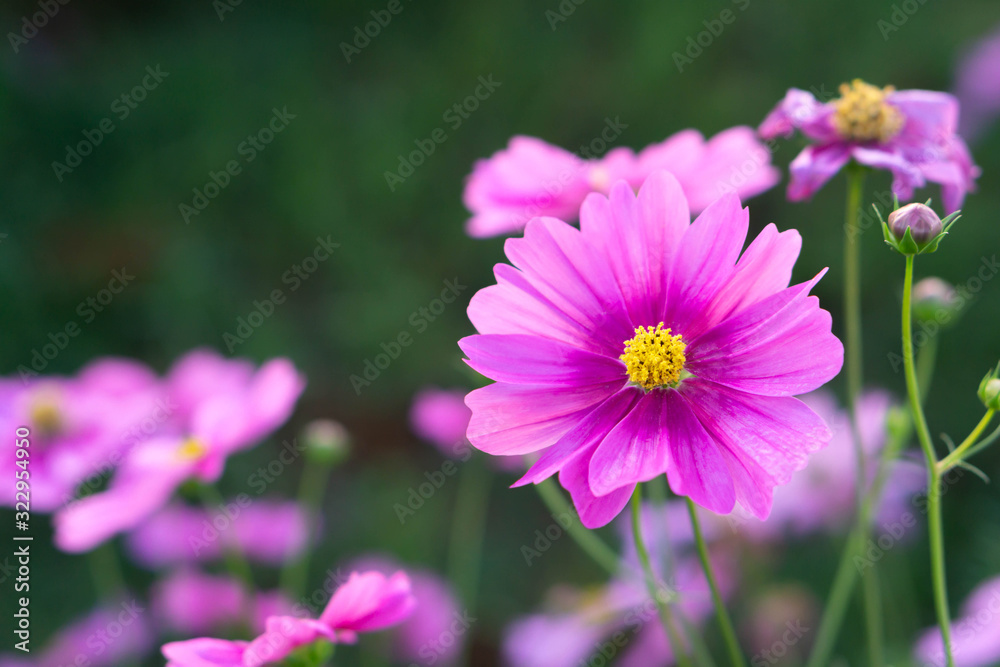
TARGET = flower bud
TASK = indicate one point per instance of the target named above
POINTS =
(923, 223)
(326, 441)
(934, 300)
(989, 393)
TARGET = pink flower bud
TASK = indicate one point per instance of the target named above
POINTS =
(923, 223)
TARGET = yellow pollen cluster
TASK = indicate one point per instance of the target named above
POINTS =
(863, 114)
(191, 450)
(46, 416)
(654, 358)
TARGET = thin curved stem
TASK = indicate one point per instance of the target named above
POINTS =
(312, 487)
(952, 459)
(934, 528)
(589, 542)
(468, 529)
(725, 623)
(655, 592)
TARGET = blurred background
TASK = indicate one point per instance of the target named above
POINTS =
(225, 70)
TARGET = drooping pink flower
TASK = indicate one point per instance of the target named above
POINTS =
(532, 178)
(368, 602)
(975, 635)
(911, 133)
(977, 86)
(222, 407)
(266, 531)
(639, 346)
(80, 427)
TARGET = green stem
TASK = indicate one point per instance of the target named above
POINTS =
(233, 556)
(949, 461)
(655, 591)
(926, 359)
(312, 488)
(106, 572)
(468, 529)
(725, 623)
(934, 528)
(589, 542)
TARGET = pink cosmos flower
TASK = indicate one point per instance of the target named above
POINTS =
(975, 636)
(266, 531)
(189, 602)
(911, 133)
(441, 417)
(977, 86)
(639, 346)
(223, 407)
(368, 602)
(532, 178)
(80, 426)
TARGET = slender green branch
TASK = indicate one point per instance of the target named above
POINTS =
(312, 487)
(468, 529)
(655, 591)
(589, 542)
(235, 560)
(952, 459)
(725, 623)
(935, 532)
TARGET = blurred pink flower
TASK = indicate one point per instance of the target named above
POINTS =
(266, 531)
(80, 427)
(107, 637)
(975, 635)
(911, 133)
(368, 602)
(223, 407)
(189, 602)
(441, 417)
(531, 178)
(643, 345)
(977, 85)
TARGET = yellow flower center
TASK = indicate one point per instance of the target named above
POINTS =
(45, 414)
(863, 114)
(654, 358)
(191, 450)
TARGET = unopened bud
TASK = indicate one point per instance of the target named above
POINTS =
(326, 441)
(989, 393)
(923, 223)
(934, 300)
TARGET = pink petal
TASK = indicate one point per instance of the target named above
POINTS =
(369, 601)
(780, 346)
(594, 511)
(931, 116)
(638, 238)
(813, 167)
(204, 652)
(519, 419)
(697, 468)
(282, 636)
(734, 160)
(523, 359)
(905, 175)
(636, 450)
(704, 263)
(765, 439)
(585, 436)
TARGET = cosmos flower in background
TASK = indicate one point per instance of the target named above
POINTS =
(109, 636)
(435, 633)
(440, 417)
(977, 86)
(266, 531)
(643, 344)
(912, 133)
(221, 407)
(81, 426)
(975, 634)
(533, 178)
(368, 602)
